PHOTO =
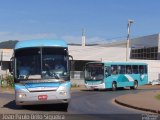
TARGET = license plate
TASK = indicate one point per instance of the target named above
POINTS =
(42, 97)
(93, 87)
(93, 84)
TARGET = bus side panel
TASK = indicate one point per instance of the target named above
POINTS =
(143, 79)
(109, 80)
(124, 81)
(121, 80)
(137, 77)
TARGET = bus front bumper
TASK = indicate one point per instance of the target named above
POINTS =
(95, 86)
(33, 98)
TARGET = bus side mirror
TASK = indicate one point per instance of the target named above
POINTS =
(107, 72)
(11, 65)
(70, 57)
(70, 61)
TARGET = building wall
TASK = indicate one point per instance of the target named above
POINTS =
(5, 56)
(97, 53)
(158, 57)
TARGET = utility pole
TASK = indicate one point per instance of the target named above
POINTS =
(83, 37)
(1, 59)
(128, 38)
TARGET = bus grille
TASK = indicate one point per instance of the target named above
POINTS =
(42, 89)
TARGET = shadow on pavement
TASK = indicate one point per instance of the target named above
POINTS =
(141, 88)
(48, 107)
(105, 90)
(103, 117)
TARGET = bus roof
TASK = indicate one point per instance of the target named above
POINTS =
(40, 43)
(121, 63)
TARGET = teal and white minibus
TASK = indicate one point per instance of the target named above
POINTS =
(103, 75)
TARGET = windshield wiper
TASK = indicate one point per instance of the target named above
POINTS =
(55, 75)
(51, 74)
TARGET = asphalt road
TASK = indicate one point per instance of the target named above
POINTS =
(84, 104)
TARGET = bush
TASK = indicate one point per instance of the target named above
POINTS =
(74, 85)
(3, 83)
(10, 81)
(158, 96)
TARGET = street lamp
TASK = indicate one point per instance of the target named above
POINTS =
(128, 37)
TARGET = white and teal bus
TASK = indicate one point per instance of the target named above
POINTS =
(41, 71)
(103, 75)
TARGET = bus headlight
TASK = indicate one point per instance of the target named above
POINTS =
(62, 90)
(21, 95)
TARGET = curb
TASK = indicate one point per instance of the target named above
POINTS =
(9, 92)
(138, 108)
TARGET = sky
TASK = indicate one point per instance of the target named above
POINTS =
(103, 20)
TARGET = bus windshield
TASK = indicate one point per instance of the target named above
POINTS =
(41, 63)
(94, 71)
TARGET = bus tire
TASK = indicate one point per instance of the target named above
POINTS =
(65, 106)
(114, 86)
(135, 85)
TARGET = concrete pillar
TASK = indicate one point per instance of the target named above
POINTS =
(158, 38)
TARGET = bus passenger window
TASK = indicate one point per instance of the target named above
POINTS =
(135, 69)
(141, 69)
(122, 69)
(114, 69)
(128, 69)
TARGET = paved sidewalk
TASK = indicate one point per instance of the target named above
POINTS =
(6, 90)
(145, 101)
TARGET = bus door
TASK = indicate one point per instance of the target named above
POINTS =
(107, 74)
(143, 74)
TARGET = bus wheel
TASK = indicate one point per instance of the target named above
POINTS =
(65, 106)
(114, 86)
(135, 85)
